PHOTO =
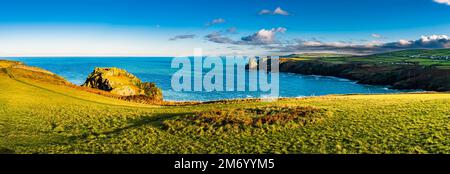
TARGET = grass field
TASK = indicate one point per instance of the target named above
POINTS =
(40, 117)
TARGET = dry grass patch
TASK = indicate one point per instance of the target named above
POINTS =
(253, 117)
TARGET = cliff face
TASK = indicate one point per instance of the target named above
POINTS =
(397, 76)
(120, 82)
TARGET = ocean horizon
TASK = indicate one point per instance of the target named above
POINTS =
(159, 71)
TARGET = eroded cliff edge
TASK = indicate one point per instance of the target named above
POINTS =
(427, 78)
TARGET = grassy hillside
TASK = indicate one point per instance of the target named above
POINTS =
(435, 57)
(38, 116)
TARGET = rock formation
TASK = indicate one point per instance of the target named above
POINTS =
(121, 82)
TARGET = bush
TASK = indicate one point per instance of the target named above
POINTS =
(142, 99)
(152, 91)
(153, 95)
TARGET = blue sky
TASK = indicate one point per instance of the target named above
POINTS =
(219, 27)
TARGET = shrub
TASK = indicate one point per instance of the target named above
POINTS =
(142, 99)
(152, 91)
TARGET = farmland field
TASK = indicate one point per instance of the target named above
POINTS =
(437, 57)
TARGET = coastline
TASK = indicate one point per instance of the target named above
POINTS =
(395, 77)
(291, 84)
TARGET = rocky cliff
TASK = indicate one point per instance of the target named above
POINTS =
(427, 78)
(397, 76)
(123, 83)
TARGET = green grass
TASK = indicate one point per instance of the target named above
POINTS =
(40, 117)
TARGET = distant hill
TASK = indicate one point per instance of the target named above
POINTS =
(312, 55)
(418, 53)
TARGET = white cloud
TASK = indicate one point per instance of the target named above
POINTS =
(376, 35)
(281, 30)
(277, 11)
(265, 11)
(426, 39)
(264, 36)
(432, 41)
(280, 11)
(403, 42)
(443, 1)
(215, 21)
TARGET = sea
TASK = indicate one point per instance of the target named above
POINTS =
(159, 71)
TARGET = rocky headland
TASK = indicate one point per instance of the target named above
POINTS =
(120, 82)
(397, 76)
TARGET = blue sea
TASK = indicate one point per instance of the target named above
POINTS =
(159, 71)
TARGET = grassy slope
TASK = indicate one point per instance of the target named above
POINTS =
(36, 117)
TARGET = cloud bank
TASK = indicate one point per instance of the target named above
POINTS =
(262, 37)
(267, 40)
(424, 42)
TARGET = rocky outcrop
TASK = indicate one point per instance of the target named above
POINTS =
(397, 76)
(123, 83)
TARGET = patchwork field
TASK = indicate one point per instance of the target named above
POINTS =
(41, 117)
(439, 58)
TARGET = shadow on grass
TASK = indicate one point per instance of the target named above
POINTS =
(155, 120)
(4, 150)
